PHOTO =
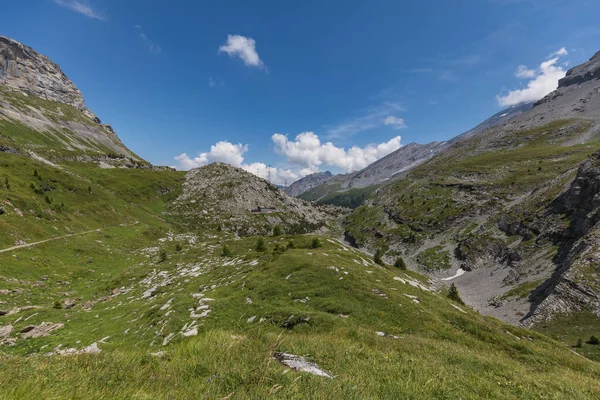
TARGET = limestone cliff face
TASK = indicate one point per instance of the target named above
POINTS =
(24, 69)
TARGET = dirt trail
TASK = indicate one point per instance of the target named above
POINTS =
(22, 246)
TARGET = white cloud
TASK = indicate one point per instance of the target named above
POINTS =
(150, 45)
(244, 48)
(214, 82)
(82, 7)
(373, 119)
(562, 52)
(397, 123)
(307, 151)
(524, 72)
(542, 81)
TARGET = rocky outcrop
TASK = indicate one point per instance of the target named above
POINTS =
(25, 70)
(307, 183)
(582, 73)
(234, 199)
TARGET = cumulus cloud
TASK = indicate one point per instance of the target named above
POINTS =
(233, 154)
(397, 123)
(524, 72)
(543, 80)
(82, 7)
(307, 151)
(150, 45)
(244, 48)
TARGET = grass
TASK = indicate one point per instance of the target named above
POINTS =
(435, 258)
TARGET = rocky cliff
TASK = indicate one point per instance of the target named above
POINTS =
(25, 70)
(43, 113)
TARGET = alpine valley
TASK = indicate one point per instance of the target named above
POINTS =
(468, 268)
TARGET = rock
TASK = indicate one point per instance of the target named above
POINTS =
(582, 73)
(5, 331)
(298, 363)
(28, 328)
(69, 303)
(3, 312)
(42, 330)
(307, 183)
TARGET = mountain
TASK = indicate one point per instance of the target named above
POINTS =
(308, 182)
(43, 114)
(338, 190)
(145, 282)
(506, 213)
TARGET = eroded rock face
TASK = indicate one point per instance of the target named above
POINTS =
(24, 69)
(582, 73)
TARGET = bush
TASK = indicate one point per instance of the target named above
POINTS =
(291, 245)
(178, 247)
(377, 257)
(277, 230)
(35, 173)
(593, 340)
(162, 256)
(48, 200)
(6, 183)
(260, 245)
(316, 243)
(453, 294)
(226, 251)
(400, 264)
(279, 249)
(58, 304)
(579, 343)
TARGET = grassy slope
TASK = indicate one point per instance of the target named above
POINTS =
(441, 352)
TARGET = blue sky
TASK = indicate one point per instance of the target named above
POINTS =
(304, 86)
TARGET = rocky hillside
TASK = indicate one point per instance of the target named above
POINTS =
(43, 114)
(507, 213)
(307, 183)
(229, 198)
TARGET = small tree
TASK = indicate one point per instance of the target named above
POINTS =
(277, 230)
(316, 243)
(162, 256)
(594, 340)
(35, 173)
(6, 183)
(89, 189)
(260, 245)
(453, 294)
(579, 343)
(400, 264)
(377, 257)
(226, 251)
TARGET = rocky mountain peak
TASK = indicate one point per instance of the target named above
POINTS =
(582, 73)
(307, 183)
(25, 70)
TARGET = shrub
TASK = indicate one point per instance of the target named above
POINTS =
(89, 189)
(178, 247)
(316, 243)
(279, 249)
(226, 251)
(48, 200)
(162, 256)
(277, 230)
(593, 340)
(58, 304)
(35, 173)
(6, 183)
(377, 257)
(579, 343)
(453, 294)
(400, 264)
(291, 245)
(260, 245)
